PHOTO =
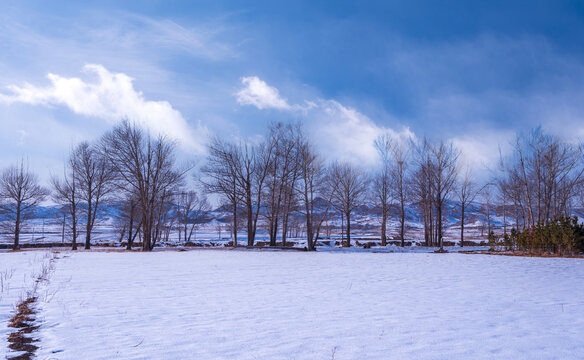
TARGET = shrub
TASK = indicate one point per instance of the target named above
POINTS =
(494, 241)
(564, 235)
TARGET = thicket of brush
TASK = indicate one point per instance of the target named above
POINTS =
(562, 236)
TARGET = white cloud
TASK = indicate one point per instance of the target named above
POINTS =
(341, 132)
(110, 97)
(482, 148)
(346, 134)
(261, 95)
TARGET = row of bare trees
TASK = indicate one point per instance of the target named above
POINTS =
(423, 174)
(275, 177)
(542, 180)
(270, 181)
(87, 180)
(283, 174)
(126, 167)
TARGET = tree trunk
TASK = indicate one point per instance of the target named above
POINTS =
(234, 224)
(488, 219)
(146, 233)
(309, 211)
(309, 234)
(255, 220)
(74, 242)
(273, 229)
(284, 229)
(348, 229)
(130, 238)
(250, 239)
(17, 228)
(439, 227)
(402, 220)
(426, 228)
(516, 217)
(462, 226)
(383, 225)
(63, 230)
(88, 225)
(342, 229)
(504, 220)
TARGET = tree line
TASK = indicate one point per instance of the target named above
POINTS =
(267, 183)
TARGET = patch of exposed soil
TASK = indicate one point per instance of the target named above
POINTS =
(24, 324)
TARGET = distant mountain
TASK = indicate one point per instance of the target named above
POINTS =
(365, 216)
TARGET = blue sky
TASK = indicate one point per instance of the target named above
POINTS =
(471, 72)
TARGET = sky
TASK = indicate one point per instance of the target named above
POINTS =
(471, 72)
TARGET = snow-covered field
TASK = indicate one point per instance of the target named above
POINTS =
(232, 304)
(18, 274)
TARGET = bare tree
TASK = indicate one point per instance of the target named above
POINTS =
(191, 208)
(348, 185)
(511, 188)
(145, 167)
(467, 192)
(20, 193)
(238, 171)
(311, 178)
(548, 172)
(504, 189)
(443, 173)
(504, 193)
(401, 157)
(251, 165)
(487, 197)
(282, 175)
(94, 182)
(221, 177)
(66, 192)
(423, 190)
(255, 161)
(382, 181)
(163, 218)
(128, 219)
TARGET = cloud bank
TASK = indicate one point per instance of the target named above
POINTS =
(110, 97)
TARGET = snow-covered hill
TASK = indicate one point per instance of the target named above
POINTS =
(46, 224)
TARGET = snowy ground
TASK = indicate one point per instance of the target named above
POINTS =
(18, 273)
(222, 304)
